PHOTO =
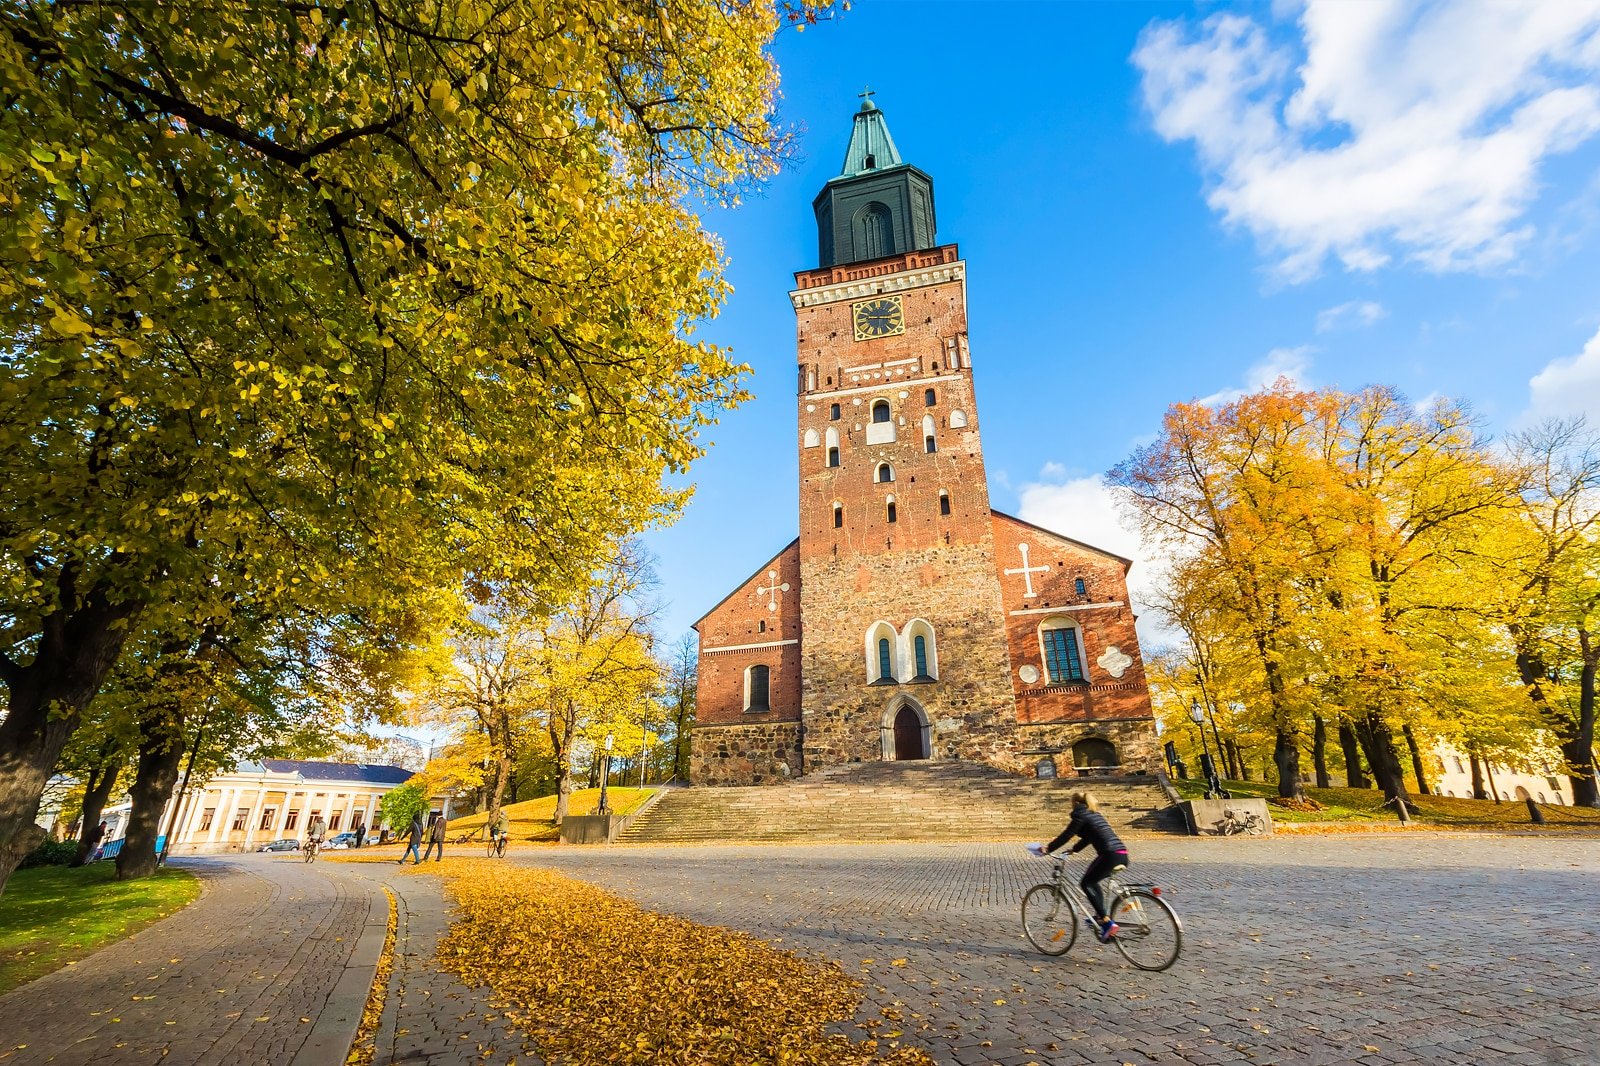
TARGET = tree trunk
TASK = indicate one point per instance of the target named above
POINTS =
(1578, 749)
(160, 754)
(563, 751)
(1352, 756)
(1378, 742)
(1319, 751)
(102, 780)
(44, 706)
(1286, 755)
(1416, 761)
(502, 776)
(1477, 777)
(1488, 769)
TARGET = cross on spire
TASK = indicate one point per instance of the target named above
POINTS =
(866, 95)
(1027, 572)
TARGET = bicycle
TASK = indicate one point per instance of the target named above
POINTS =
(311, 848)
(1149, 933)
(497, 845)
(1233, 822)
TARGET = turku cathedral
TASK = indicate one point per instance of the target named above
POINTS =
(909, 620)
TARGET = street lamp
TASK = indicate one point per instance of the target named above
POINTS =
(605, 775)
(1214, 789)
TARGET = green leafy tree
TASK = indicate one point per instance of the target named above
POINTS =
(399, 805)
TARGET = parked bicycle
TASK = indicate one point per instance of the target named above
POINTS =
(1149, 933)
(1234, 821)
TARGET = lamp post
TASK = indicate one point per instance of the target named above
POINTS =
(605, 775)
(1214, 789)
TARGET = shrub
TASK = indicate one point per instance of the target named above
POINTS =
(51, 853)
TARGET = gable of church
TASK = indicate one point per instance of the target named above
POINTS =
(755, 628)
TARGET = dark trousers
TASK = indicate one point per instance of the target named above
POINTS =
(429, 849)
(1098, 870)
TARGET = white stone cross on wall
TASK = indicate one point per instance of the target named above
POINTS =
(772, 590)
(1027, 572)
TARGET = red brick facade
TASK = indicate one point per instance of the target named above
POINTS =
(901, 562)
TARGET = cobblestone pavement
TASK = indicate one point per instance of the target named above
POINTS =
(266, 967)
(1298, 950)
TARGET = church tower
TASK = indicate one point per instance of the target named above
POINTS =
(909, 620)
(904, 653)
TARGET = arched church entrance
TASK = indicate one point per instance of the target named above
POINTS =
(1095, 755)
(906, 731)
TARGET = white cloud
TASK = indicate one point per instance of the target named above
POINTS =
(1388, 128)
(1292, 363)
(1568, 386)
(1356, 312)
(1085, 509)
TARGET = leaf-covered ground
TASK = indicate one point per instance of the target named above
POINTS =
(596, 979)
(51, 916)
(530, 819)
(1365, 805)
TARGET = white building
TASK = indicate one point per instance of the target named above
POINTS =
(275, 799)
(1453, 777)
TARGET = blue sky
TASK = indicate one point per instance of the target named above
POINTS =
(1161, 202)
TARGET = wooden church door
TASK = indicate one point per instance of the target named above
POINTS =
(908, 735)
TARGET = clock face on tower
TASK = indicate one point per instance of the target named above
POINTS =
(882, 317)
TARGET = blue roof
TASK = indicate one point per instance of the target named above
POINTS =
(340, 771)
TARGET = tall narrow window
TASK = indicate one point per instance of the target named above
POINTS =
(838, 516)
(944, 503)
(885, 660)
(755, 689)
(833, 456)
(1079, 587)
(833, 412)
(240, 819)
(891, 510)
(292, 821)
(930, 398)
(919, 650)
(928, 444)
(209, 813)
(1061, 658)
(267, 814)
(885, 473)
(761, 626)
(333, 821)
(880, 411)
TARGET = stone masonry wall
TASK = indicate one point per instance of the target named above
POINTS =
(764, 753)
(1135, 741)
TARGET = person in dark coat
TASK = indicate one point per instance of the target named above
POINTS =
(414, 842)
(361, 834)
(436, 838)
(1110, 855)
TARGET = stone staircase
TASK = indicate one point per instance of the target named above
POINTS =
(897, 801)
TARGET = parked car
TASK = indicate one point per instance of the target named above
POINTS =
(286, 844)
(343, 840)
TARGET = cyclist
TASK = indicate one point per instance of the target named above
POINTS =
(1110, 852)
(500, 826)
(314, 832)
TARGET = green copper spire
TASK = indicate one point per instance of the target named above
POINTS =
(871, 147)
(879, 205)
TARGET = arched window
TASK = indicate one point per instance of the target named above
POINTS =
(1058, 640)
(1094, 753)
(880, 410)
(944, 502)
(929, 398)
(1079, 587)
(838, 516)
(833, 412)
(881, 644)
(833, 456)
(812, 440)
(755, 689)
(958, 419)
(885, 473)
(928, 444)
(891, 511)
(761, 625)
(921, 650)
(874, 227)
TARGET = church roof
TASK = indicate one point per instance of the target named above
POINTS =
(740, 586)
(1123, 559)
(871, 147)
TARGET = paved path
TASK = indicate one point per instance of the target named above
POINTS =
(1373, 949)
(271, 965)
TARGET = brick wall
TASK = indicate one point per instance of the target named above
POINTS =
(759, 623)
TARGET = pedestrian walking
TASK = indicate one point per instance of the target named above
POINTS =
(414, 845)
(436, 838)
(361, 834)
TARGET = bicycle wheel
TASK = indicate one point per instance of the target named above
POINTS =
(500, 846)
(1048, 920)
(1149, 934)
(489, 845)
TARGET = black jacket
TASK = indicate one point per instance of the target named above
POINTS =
(1094, 829)
(416, 831)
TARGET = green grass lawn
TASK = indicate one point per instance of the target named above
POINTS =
(1366, 805)
(51, 916)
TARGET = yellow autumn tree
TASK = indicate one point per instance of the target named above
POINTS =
(307, 309)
